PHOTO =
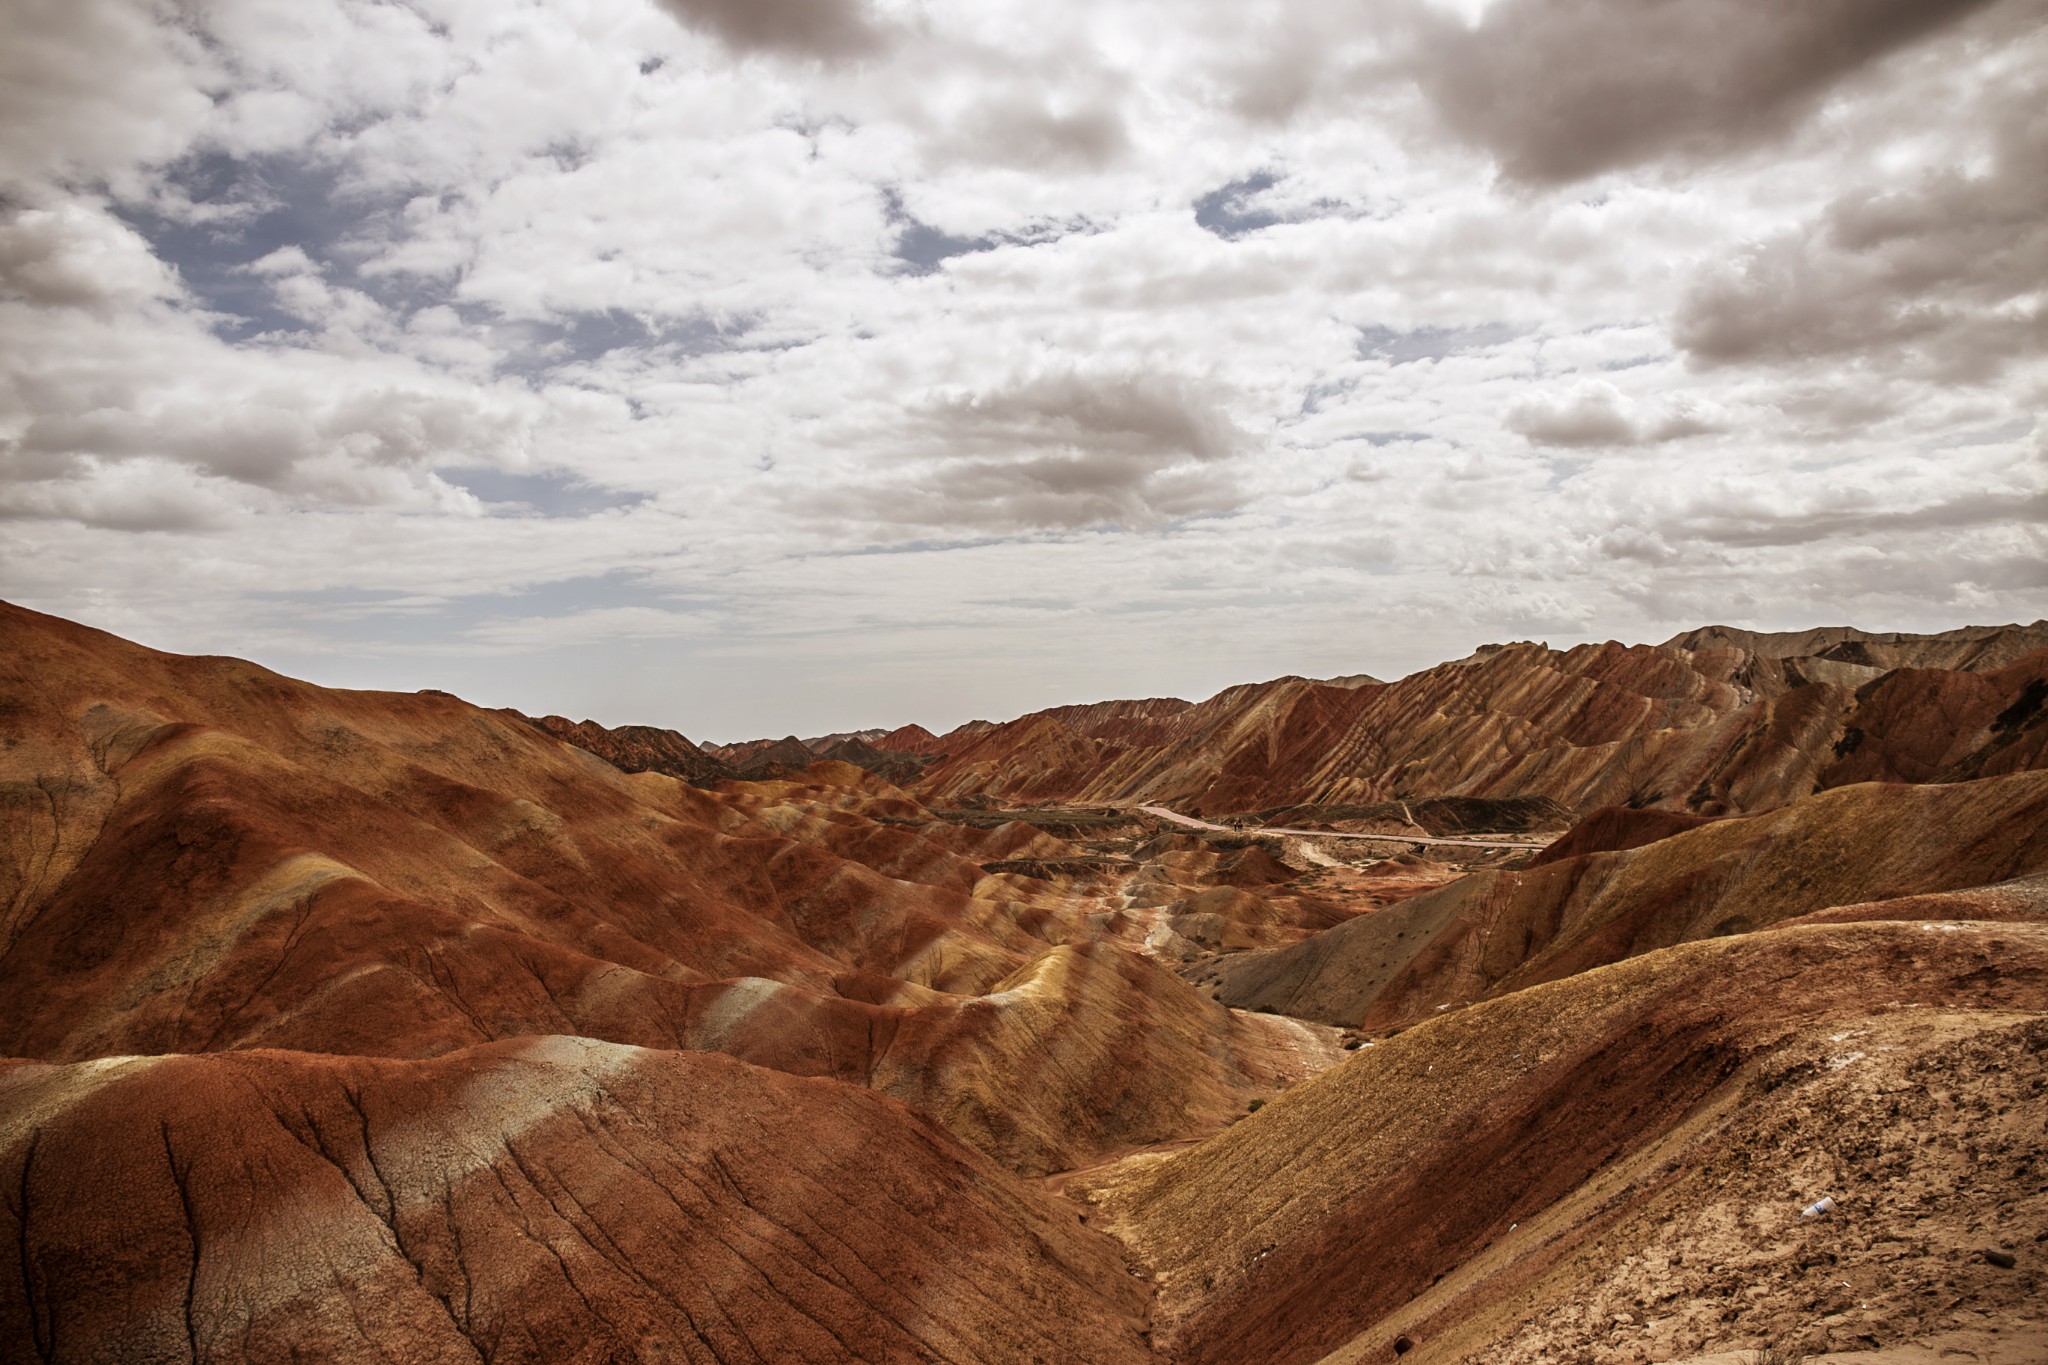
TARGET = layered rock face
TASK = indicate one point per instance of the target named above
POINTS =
(902, 768)
(898, 756)
(542, 1200)
(1715, 722)
(637, 748)
(1639, 1138)
(1970, 648)
(1494, 932)
(363, 915)
(362, 1026)
(203, 855)
(908, 739)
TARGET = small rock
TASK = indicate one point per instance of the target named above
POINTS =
(2002, 1259)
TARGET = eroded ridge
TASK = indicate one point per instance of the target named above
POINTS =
(547, 1200)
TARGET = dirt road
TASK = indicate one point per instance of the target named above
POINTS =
(1191, 823)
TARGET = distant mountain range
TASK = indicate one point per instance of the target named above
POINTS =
(1714, 721)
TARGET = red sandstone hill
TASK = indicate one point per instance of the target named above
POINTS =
(360, 1026)
(768, 761)
(1495, 932)
(819, 744)
(1611, 829)
(1969, 648)
(909, 739)
(540, 1200)
(738, 753)
(893, 766)
(647, 748)
(1718, 729)
(200, 855)
(637, 748)
(1612, 1167)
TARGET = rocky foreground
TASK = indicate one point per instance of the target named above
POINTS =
(365, 1026)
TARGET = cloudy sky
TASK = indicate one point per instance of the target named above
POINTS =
(751, 366)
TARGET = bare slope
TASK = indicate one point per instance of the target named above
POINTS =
(1494, 931)
(1713, 730)
(1973, 648)
(285, 973)
(199, 855)
(636, 748)
(1341, 1203)
(548, 1200)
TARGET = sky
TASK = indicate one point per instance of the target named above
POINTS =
(767, 366)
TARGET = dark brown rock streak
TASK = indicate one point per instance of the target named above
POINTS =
(1722, 728)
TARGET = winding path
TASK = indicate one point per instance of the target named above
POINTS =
(1191, 823)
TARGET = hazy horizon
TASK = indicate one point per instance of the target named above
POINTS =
(503, 693)
(751, 367)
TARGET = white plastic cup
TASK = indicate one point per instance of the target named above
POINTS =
(1825, 1204)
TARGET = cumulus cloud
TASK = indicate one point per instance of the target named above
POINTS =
(1140, 419)
(117, 395)
(1597, 414)
(808, 28)
(1022, 130)
(1558, 90)
(77, 256)
(1758, 522)
(1293, 55)
(1940, 275)
(361, 447)
(1055, 451)
(129, 495)
(62, 118)
(1633, 542)
(300, 289)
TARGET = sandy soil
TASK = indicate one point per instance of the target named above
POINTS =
(1929, 1131)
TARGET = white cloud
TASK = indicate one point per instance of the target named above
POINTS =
(1561, 91)
(1594, 413)
(812, 28)
(76, 255)
(1939, 273)
(93, 90)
